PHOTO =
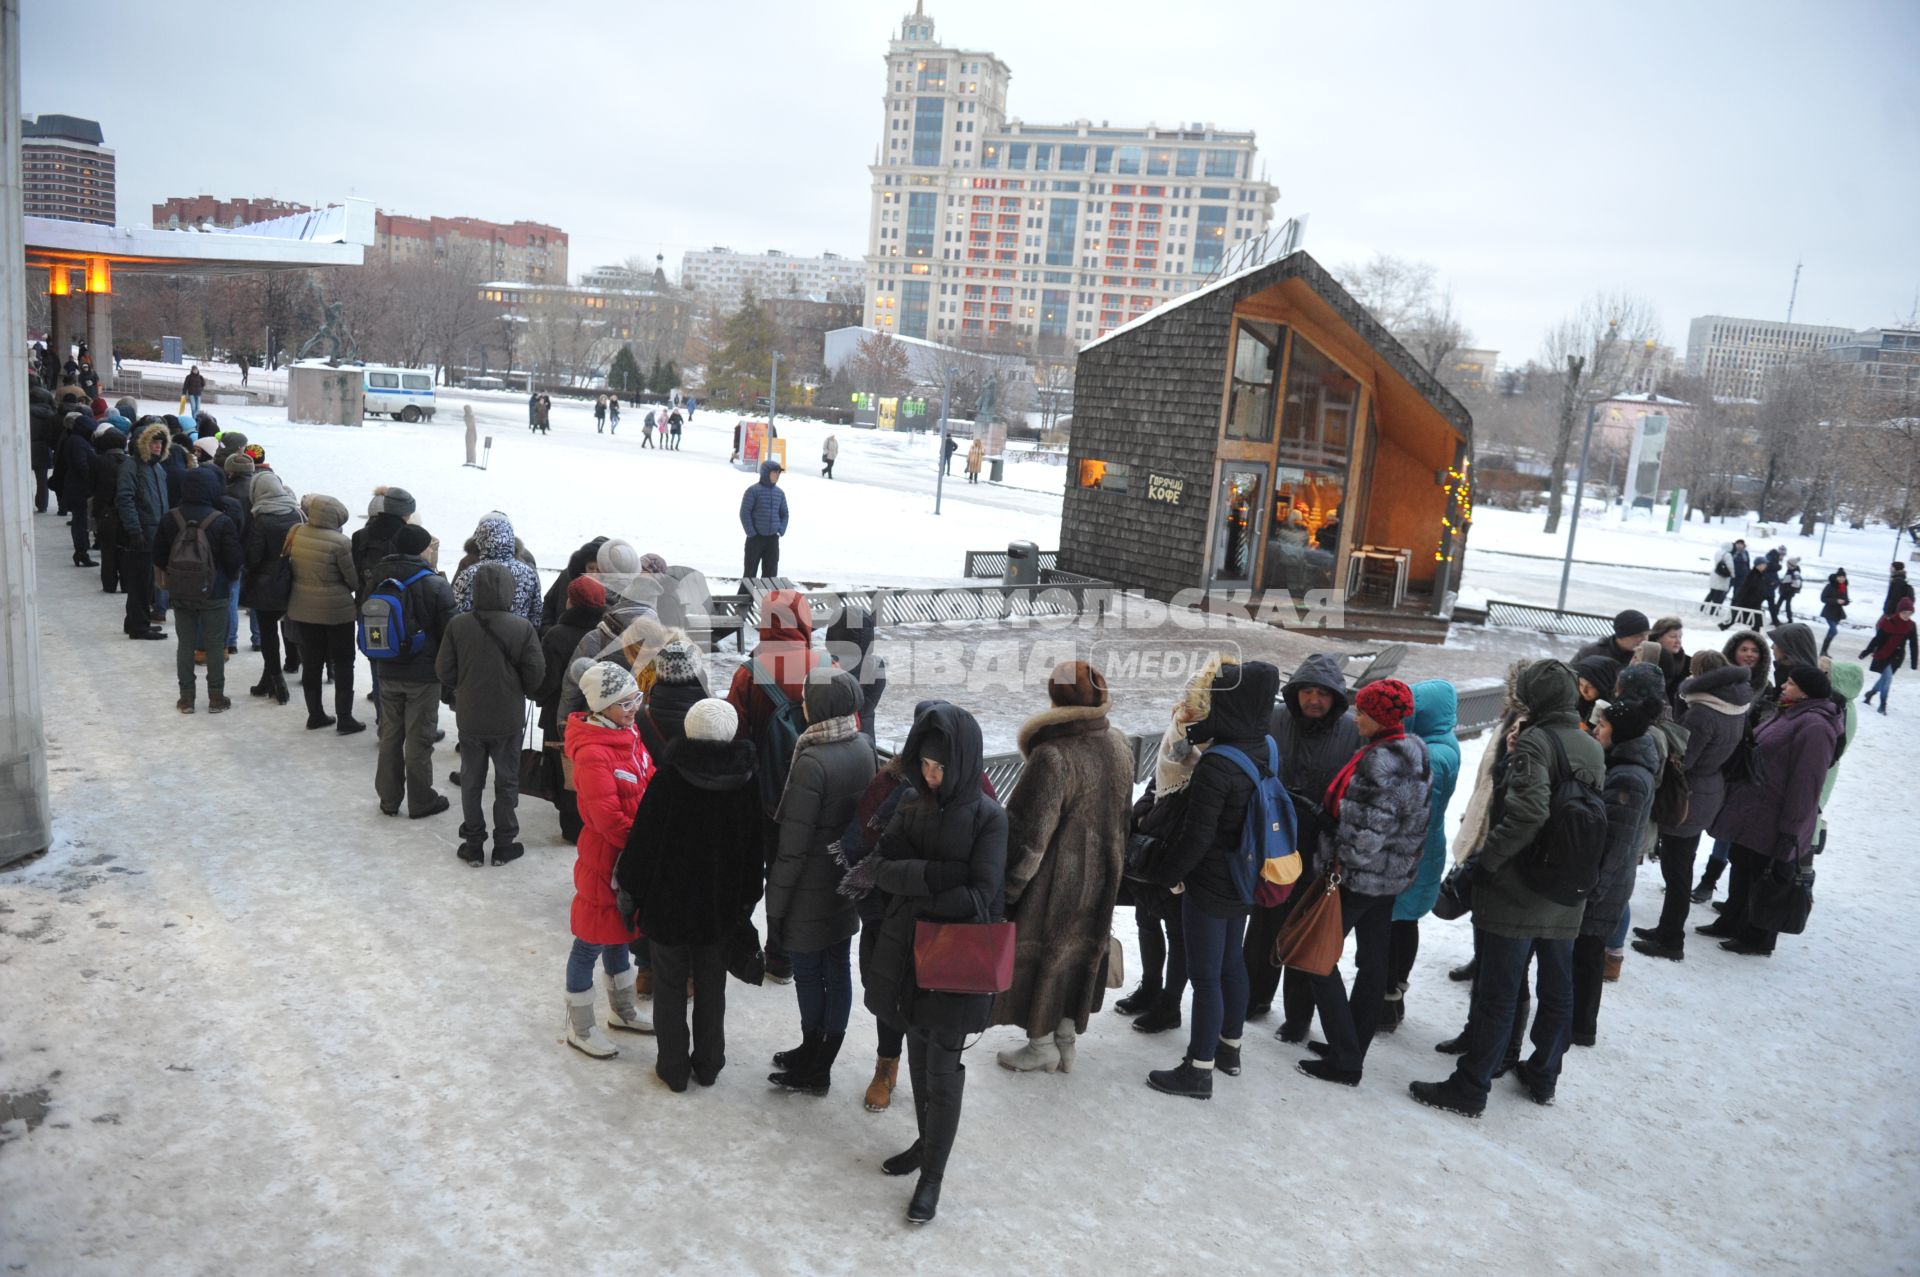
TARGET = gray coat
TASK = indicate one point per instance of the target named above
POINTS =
(1628, 793)
(1313, 750)
(1381, 828)
(1715, 719)
(831, 767)
(490, 659)
(1067, 824)
(601, 643)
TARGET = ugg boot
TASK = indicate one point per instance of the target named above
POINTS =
(1611, 973)
(643, 982)
(1039, 1054)
(622, 1011)
(886, 1072)
(1064, 1039)
(583, 1034)
(1393, 1009)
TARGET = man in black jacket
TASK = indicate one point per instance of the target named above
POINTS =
(200, 621)
(110, 455)
(140, 502)
(1630, 630)
(409, 687)
(1316, 736)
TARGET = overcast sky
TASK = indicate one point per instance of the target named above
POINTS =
(1533, 152)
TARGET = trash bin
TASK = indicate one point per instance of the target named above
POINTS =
(996, 469)
(1023, 563)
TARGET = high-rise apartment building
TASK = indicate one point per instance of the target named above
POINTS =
(1735, 356)
(65, 170)
(725, 275)
(986, 229)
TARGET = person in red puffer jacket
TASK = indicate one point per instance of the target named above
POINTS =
(611, 769)
(1893, 640)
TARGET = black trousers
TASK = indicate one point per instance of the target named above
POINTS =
(939, 1083)
(1163, 949)
(1677, 853)
(1589, 982)
(763, 556)
(1402, 948)
(1747, 864)
(1263, 978)
(77, 525)
(673, 966)
(109, 529)
(1349, 1022)
(136, 575)
(269, 644)
(776, 953)
(325, 647)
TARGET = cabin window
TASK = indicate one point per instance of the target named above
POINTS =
(1316, 425)
(1108, 476)
(1256, 366)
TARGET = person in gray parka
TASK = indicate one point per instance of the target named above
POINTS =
(806, 914)
(490, 659)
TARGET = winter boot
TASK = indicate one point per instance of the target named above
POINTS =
(1226, 1057)
(907, 1163)
(1140, 1001)
(1326, 1072)
(1165, 1015)
(1194, 1081)
(185, 703)
(817, 1077)
(508, 854)
(1654, 947)
(280, 693)
(1038, 1055)
(217, 702)
(1455, 1045)
(1539, 1089)
(622, 1011)
(1393, 1009)
(1464, 972)
(1065, 1038)
(794, 1056)
(798, 1062)
(1451, 1095)
(926, 1201)
(583, 1034)
(264, 687)
(643, 982)
(1611, 973)
(886, 1073)
(1708, 878)
(474, 854)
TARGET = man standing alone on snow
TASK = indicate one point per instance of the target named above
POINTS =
(763, 517)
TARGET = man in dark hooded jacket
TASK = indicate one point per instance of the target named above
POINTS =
(200, 622)
(1316, 736)
(490, 658)
(409, 687)
(73, 480)
(109, 457)
(140, 502)
(763, 517)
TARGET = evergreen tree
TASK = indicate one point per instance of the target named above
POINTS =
(624, 374)
(657, 377)
(741, 368)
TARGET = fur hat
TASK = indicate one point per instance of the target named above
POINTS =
(618, 559)
(586, 591)
(711, 719)
(1812, 681)
(412, 539)
(395, 501)
(1631, 622)
(1386, 701)
(1664, 626)
(1077, 683)
(1648, 653)
(607, 684)
(677, 662)
(653, 565)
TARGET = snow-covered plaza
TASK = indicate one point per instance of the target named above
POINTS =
(247, 1024)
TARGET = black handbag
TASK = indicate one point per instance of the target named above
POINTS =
(1456, 891)
(1743, 764)
(1781, 897)
(1142, 851)
(746, 961)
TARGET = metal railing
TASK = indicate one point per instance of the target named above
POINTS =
(991, 565)
(739, 615)
(1528, 616)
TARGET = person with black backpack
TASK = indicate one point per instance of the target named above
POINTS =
(416, 602)
(1535, 869)
(1200, 857)
(197, 546)
(1374, 828)
(767, 693)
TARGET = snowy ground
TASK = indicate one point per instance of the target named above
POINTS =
(274, 1029)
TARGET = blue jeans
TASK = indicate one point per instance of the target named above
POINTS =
(233, 613)
(1503, 973)
(823, 981)
(1721, 848)
(1618, 939)
(1217, 970)
(580, 963)
(1881, 686)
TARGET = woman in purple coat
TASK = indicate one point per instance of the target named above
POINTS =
(1773, 820)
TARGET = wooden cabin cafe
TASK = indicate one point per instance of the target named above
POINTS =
(1265, 434)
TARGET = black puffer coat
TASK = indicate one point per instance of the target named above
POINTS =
(943, 858)
(1715, 719)
(1200, 851)
(1628, 794)
(557, 642)
(555, 601)
(663, 720)
(691, 870)
(831, 767)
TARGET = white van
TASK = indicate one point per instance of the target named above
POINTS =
(403, 393)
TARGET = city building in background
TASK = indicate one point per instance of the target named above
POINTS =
(66, 170)
(529, 251)
(1736, 356)
(1885, 359)
(188, 212)
(724, 276)
(991, 231)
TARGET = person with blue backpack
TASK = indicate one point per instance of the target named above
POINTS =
(406, 611)
(1211, 858)
(1372, 832)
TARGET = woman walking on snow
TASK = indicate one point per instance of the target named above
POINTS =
(1066, 843)
(610, 773)
(1833, 605)
(1893, 641)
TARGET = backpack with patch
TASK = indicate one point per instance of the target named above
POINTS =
(1673, 798)
(773, 753)
(1564, 862)
(387, 630)
(190, 566)
(1269, 832)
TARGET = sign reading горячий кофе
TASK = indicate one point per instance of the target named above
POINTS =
(1161, 487)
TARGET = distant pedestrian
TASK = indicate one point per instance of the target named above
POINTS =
(975, 456)
(543, 415)
(829, 453)
(763, 517)
(1833, 605)
(600, 415)
(533, 411)
(948, 447)
(323, 610)
(192, 388)
(241, 361)
(473, 432)
(197, 547)
(646, 430)
(1893, 640)
(673, 423)
(1790, 582)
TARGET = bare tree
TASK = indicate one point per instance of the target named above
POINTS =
(1595, 351)
(880, 365)
(1053, 386)
(1394, 290)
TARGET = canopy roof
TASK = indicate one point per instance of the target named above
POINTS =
(334, 236)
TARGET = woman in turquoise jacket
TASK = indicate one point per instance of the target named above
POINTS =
(1436, 710)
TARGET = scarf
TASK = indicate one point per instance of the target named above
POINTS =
(1337, 789)
(827, 731)
(1174, 762)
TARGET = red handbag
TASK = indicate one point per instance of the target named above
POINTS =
(963, 957)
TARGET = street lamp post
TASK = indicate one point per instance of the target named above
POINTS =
(1579, 486)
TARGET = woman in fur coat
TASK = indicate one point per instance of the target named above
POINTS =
(1066, 843)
